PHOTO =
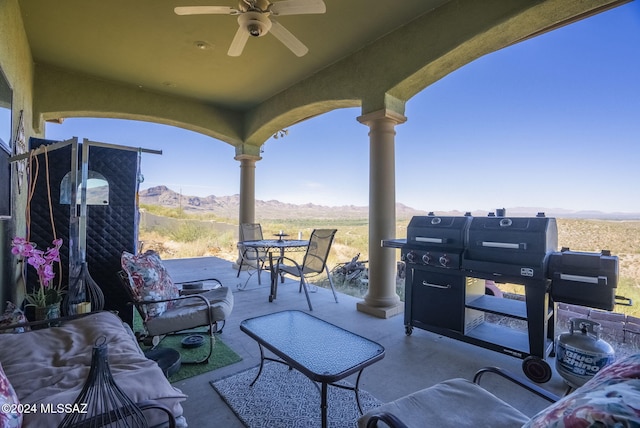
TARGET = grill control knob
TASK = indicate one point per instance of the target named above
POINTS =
(411, 257)
(444, 260)
(426, 258)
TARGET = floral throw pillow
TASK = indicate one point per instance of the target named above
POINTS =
(13, 315)
(609, 399)
(149, 281)
(10, 417)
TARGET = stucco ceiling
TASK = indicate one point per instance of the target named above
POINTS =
(360, 52)
(145, 43)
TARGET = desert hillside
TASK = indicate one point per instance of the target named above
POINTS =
(227, 207)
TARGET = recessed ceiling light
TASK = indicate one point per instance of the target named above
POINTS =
(203, 46)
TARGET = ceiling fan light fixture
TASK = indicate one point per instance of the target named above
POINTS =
(257, 24)
(255, 19)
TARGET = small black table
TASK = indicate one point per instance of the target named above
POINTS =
(323, 352)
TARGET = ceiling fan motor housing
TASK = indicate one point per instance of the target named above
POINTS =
(257, 24)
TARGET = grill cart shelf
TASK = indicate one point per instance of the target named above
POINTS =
(449, 260)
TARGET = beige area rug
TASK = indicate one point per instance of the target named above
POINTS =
(283, 398)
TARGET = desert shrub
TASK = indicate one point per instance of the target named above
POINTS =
(165, 211)
(186, 232)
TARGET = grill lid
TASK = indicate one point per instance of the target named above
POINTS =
(438, 232)
(582, 278)
(512, 246)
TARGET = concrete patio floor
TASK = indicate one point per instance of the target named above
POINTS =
(411, 362)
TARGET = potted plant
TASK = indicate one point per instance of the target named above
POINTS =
(46, 297)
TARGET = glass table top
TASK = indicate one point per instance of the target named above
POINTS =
(313, 345)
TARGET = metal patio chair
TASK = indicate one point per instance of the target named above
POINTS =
(314, 262)
(173, 313)
(251, 257)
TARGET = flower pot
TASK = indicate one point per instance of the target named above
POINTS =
(47, 312)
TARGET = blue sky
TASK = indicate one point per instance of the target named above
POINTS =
(552, 122)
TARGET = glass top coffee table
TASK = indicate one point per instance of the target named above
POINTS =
(323, 352)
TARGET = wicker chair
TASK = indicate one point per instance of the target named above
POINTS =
(314, 262)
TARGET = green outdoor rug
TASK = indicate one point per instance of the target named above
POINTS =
(222, 355)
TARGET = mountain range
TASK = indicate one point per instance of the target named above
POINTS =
(227, 207)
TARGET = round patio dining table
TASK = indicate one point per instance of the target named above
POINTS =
(268, 246)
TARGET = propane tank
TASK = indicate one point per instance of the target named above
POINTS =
(580, 353)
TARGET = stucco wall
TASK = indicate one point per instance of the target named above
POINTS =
(17, 65)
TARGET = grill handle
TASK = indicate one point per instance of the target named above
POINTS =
(602, 280)
(508, 245)
(431, 240)
(626, 301)
(428, 284)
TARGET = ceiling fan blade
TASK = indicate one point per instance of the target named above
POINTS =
(205, 10)
(297, 7)
(239, 40)
(288, 39)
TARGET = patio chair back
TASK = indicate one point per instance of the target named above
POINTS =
(251, 258)
(250, 232)
(130, 296)
(314, 262)
(320, 242)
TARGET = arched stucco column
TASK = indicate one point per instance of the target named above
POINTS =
(382, 300)
(247, 212)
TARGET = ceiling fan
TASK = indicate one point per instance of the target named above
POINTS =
(255, 18)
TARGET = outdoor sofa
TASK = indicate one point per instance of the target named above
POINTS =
(49, 366)
(610, 399)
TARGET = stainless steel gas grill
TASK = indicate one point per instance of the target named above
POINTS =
(449, 260)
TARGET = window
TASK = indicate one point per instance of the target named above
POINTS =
(97, 189)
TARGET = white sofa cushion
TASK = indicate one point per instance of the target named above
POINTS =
(434, 407)
(191, 311)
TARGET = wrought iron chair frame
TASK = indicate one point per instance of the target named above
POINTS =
(300, 270)
(246, 259)
(211, 324)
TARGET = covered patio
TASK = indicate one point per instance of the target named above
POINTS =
(142, 61)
